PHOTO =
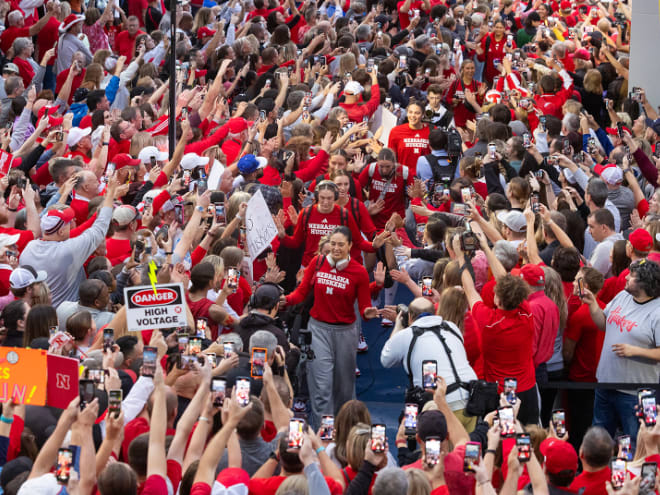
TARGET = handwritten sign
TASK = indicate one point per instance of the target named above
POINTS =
(23, 375)
(259, 225)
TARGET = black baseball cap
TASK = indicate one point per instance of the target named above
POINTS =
(431, 423)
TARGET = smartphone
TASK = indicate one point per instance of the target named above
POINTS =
(492, 149)
(212, 359)
(108, 338)
(648, 474)
(97, 375)
(258, 362)
(370, 65)
(649, 410)
(228, 348)
(559, 422)
(328, 428)
(194, 346)
(378, 438)
(149, 357)
(218, 389)
(433, 450)
(182, 338)
(527, 140)
(410, 421)
(184, 113)
(542, 122)
(139, 249)
(580, 282)
(202, 324)
(64, 463)
(524, 445)
(296, 433)
(403, 62)
(232, 278)
(534, 203)
(86, 391)
(427, 291)
(466, 194)
(178, 214)
(510, 386)
(618, 469)
(641, 393)
(472, 456)
(507, 426)
(243, 391)
(115, 396)
(619, 129)
(625, 449)
(429, 373)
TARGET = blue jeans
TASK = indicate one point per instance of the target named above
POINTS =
(612, 408)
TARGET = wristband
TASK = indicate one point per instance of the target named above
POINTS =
(106, 143)
(169, 253)
(320, 449)
(13, 210)
(6, 420)
(490, 451)
(203, 418)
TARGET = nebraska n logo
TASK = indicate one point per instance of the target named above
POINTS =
(62, 381)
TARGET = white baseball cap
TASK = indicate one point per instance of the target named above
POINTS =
(76, 134)
(515, 220)
(25, 276)
(149, 152)
(8, 240)
(191, 161)
(353, 88)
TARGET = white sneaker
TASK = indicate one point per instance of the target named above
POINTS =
(362, 344)
(357, 371)
(386, 323)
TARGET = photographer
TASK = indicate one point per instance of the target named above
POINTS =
(429, 337)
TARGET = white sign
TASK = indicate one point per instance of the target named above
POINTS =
(260, 228)
(387, 119)
(146, 310)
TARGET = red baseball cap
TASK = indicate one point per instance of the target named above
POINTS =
(582, 53)
(54, 219)
(236, 125)
(533, 275)
(205, 32)
(614, 131)
(125, 160)
(641, 240)
(565, 5)
(559, 456)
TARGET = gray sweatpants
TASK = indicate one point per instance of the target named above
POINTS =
(331, 374)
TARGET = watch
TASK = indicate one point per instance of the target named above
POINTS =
(200, 209)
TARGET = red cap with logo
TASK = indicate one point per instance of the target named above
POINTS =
(125, 160)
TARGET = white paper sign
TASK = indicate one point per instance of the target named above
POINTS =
(259, 226)
(146, 310)
(387, 119)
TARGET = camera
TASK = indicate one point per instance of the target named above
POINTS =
(305, 344)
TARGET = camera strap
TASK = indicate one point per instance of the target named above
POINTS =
(437, 330)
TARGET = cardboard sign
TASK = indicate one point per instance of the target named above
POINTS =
(148, 311)
(23, 375)
(259, 226)
(6, 160)
(62, 381)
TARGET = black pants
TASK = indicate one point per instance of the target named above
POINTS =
(548, 395)
(529, 407)
(579, 405)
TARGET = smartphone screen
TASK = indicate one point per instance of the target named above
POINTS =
(625, 450)
(178, 214)
(472, 456)
(86, 391)
(183, 342)
(115, 397)
(219, 213)
(648, 474)
(108, 338)
(649, 409)
(378, 438)
(212, 359)
(429, 373)
(228, 349)
(218, 389)
(510, 386)
(149, 357)
(201, 328)
(427, 290)
(243, 391)
(618, 468)
(232, 278)
(97, 375)
(296, 433)
(524, 445)
(580, 283)
(559, 422)
(432, 446)
(506, 421)
(466, 194)
(327, 428)
(194, 346)
(64, 463)
(258, 362)
(410, 422)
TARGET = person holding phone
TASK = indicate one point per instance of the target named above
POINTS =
(202, 279)
(337, 282)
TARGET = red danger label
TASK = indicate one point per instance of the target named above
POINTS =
(147, 297)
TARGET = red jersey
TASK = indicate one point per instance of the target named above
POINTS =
(335, 291)
(493, 50)
(117, 250)
(507, 338)
(582, 330)
(593, 482)
(199, 310)
(357, 111)
(312, 225)
(394, 197)
(125, 45)
(461, 113)
(10, 34)
(47, 37)
(409, 144)
(25, 70)
(24, 236)
(404, 18)
(546, 326)
(75, 84)
(81, 207)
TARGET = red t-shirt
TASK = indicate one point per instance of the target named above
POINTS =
(24, 236)
(593, 483)
(268, 486)
(125, 45)
(117, 250)
(395, 196)
(404, 19)
(335, 291)
(25, 70)
(10, 34)
(5, 272)
(473, 345)
(231, 149)
(155, 485)
(200, 309)
(117, 148)
(581, 329)
(409, 144)
(75, 84)
(48, 36)
(546, 325)
(507, 344)
(81, 207)
(137, 8)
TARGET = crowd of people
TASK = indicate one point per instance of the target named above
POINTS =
(488, 158)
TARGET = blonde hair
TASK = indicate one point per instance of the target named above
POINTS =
(418, 482)
(40, 294)
(100, 56)
(94, 74)
(217, 263)
(139, 141)
(202, 18)
(356, 443)
(234, 202)
(294, 485)
(593, 82)
(453, 305)
(347, 63)
(554, 289)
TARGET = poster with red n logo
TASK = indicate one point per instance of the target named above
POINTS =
(6, 160)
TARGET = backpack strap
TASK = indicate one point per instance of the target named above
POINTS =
(343, 216)
(346, 478)
(355, 210)
(306, 214)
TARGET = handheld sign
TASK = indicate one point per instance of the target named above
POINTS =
(260, 230)
(23, 375)
(149, 310)
(62, 380)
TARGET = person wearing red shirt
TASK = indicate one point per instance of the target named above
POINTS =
(386, 184)
(319, 220)
(237, 135)
(595, 454)
(75, 83)
(465, 83)
(16, 27)
(23, 50)
(125, 40)
(407, 7)
(118, 247)
(551, 101)
(86, 189)
(583, 343)
(507, 332)
(121, 134)
(337, 282)
(411, 140)
(638, 247)
(493, 48)
(338, 161)
(357, 112)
